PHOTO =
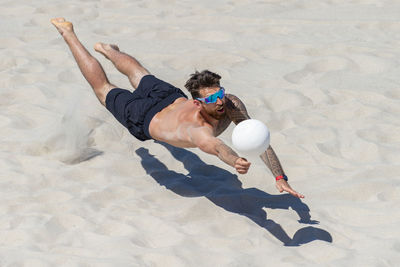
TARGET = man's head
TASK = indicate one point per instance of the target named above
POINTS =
(204, 84)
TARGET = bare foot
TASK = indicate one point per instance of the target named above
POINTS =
(104, 49)
(62, 25)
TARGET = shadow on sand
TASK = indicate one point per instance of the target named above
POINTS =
(225, 190)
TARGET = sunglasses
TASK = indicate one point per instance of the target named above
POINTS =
(214, 97)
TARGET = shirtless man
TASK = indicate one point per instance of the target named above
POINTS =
(157, 110)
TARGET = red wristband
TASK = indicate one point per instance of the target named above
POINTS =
(277, 178)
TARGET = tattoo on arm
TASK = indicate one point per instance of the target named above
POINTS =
(236, 110)
(272, 161)
(226, 154)
(202, 138)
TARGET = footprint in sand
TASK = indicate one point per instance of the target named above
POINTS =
(54, 197)
(104, 31)
(4, 121)
(67, 76)
(288, 99)
(389, 194)
(330, 148)
(85, 10)
(393, 93)
(115, 229)
(161, 259)
(7, 63)
(212, 59)
(212, 36)
(22, 122)
(9, 41)
(371, 64)
(324, 65)
(370, 190)
(361, 151)
(65, 222)
(381, 134)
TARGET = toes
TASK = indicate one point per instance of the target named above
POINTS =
(114, 46)
(98, 46)
(57, 20)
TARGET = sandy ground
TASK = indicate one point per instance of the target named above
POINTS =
(76, 189)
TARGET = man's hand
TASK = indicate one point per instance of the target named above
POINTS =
(242, 165)
(282, 185)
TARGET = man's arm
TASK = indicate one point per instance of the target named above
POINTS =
(271, 160)
(203, 138)
(235, 109)
(237, 112)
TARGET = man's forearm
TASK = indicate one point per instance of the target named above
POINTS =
(271, 160)
(226, 154)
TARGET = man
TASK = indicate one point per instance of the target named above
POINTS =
(157, 110)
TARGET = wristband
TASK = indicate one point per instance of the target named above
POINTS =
(277, 178)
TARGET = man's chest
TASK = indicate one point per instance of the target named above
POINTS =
(222, 125)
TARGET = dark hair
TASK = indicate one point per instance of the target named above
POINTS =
(200, 80)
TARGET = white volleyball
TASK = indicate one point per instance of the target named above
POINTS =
(251, 137)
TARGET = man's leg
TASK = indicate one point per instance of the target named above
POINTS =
(125, 63)
(89, 66)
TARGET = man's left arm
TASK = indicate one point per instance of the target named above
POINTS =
(237, 112)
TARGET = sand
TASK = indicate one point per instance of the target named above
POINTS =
(78, 190)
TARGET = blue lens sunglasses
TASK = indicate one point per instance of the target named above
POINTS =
(214, 97)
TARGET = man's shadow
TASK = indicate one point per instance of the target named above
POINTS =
(225, 190)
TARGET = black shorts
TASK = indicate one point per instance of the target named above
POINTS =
(135, 109)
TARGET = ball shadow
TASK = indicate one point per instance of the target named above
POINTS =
(225, 190)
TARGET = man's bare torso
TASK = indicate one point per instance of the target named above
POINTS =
(172, 124)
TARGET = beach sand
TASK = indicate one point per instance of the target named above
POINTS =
(78, 190)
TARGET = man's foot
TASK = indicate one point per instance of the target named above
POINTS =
(105, 49)
(62, 25)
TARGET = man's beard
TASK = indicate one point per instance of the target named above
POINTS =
(217, 115)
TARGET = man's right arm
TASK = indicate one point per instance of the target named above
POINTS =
(226, 154)
(202, 137)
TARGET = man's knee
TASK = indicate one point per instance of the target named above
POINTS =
(137, 76)
(102, 92)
